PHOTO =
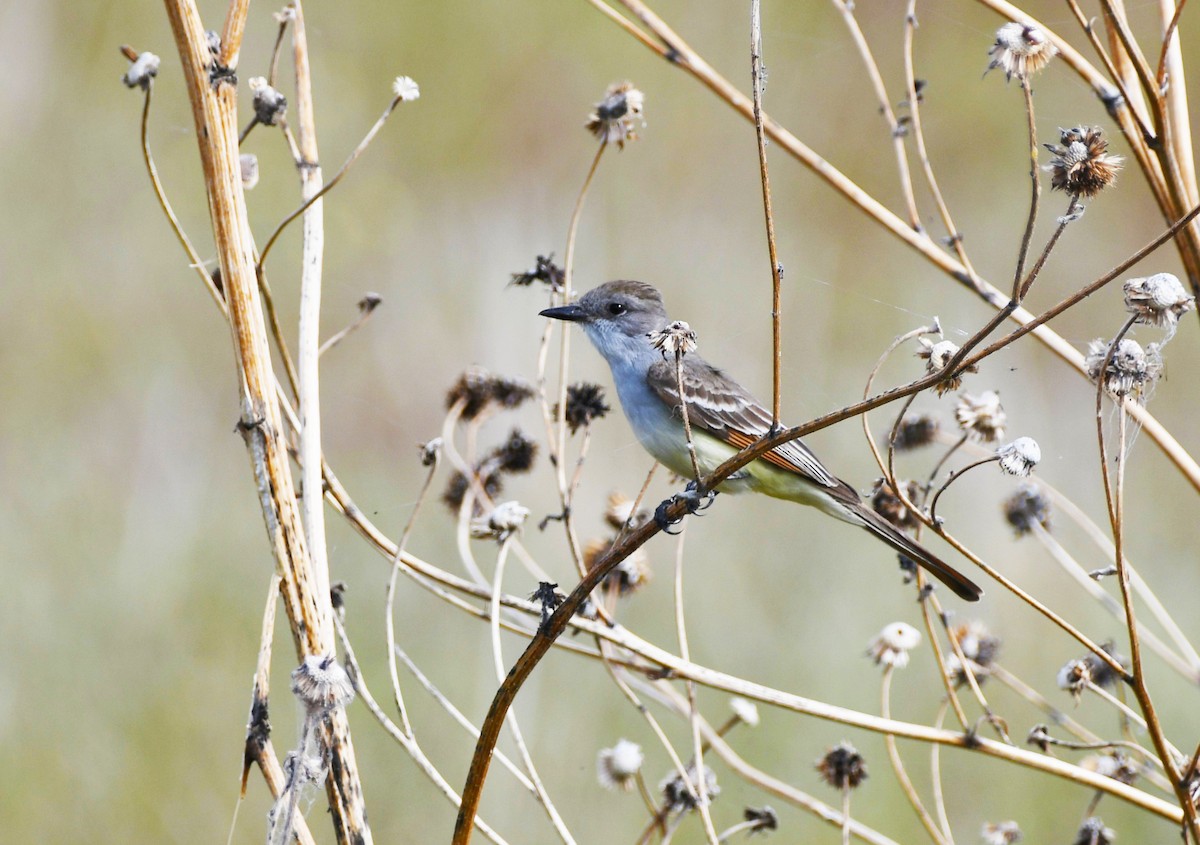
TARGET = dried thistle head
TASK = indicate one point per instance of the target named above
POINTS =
(142, 69)
(761, 820)
(628, 576)
(1113, 764)
(1093, 832)
(322, 684)
(1082, 165)
(937, 354)
(1074, 677)
(1001, 833)
(915, 431)
(1026, 508)
(979, 648)
(891, 646)
(619, 512)
(1020, 50)
(405, 89)
(478, 391)
(515, 455)
(1131, 371)
(675, 791)
(1019, 457)
(544, 270)
(842, 767)
(618, 767)
(887, 504)
(430, 451)
(269, 104)
(676, 339)
(617, 117)
(981, 417)
(1157, 300)
(585, 402)
(504, 520)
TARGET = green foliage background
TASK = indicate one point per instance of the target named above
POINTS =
(130, 539)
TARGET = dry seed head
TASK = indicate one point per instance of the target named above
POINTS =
(745, 710)
(429, 451)
(675, 792)
(1082, 165)
(1020, 50)
(617, 767)
(504, 520)
(544, 270)
(620, 511)
(1026, 508)
(269, 104)
(405, 89)
(1131, 371)
(891, 646)
(936, 356)
(1157, 300)
(1115, 765)
(887, 504)
(677, 338)
(585, 402)
(1001, 833)
(981, 417)
(322, 684)
(1074, 677)
(842, 767)
(1093, 832)
(143, 69)
(515, 455)
(915, 431)
(1019, 457)
(617, 117)
(761, 820)
(628, 576)
(248, 163)
(479, 390)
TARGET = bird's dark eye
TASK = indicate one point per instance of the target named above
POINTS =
(616, 309)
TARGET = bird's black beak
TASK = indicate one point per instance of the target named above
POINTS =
(570, 313)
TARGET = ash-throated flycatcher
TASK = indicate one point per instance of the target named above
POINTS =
(724, 418)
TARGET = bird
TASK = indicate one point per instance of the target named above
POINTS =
(619, 317)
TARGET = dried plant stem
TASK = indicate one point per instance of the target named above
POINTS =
(687, 424)
(935, 775)
(1035, 193)
(902, 778)
(331, 184)
(514, 727)
(757, 72)
(954, 476)
(214, 107)
(702, 798)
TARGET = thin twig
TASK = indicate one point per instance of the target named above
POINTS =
(906, 784)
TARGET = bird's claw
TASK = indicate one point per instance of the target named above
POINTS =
(694, 502)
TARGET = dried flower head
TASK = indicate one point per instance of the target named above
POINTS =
(936, 356)
(1131, 371)
(478, 390)
(405, 89)
(1074, 677)
(676, 339)
(915, 431)
(891, 646)
(322, 684)
(842, 767)
(1001, 833)
(1026, 508)
(430, 451)
(1039, 737)
(761, 820)
(515, 455)
(585, 402)
(504, 520)
(981, 417)
(675, 791)
(369, 302)
(745, 710)
(458, 485)
(616, 118)
(1082, 165)
(1116, 765)
(549, 597)
(1157, 300)
(269, 104)
(142, 70)
(248, 164)
(628, 576)
(887, 504)
(1019, 457)
(284, 15)
(1093, 832)
(617, 767)
(544, 270)
(619, 512)
(1020, 50)
(978, 647)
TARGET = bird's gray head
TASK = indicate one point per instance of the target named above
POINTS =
(625, 309)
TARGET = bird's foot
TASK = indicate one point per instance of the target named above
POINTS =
(694, 501)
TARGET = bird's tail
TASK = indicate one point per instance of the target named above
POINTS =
(962, 586)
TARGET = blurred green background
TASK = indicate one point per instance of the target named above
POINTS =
(132, 542)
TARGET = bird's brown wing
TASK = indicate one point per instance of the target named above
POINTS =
(726, 410)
